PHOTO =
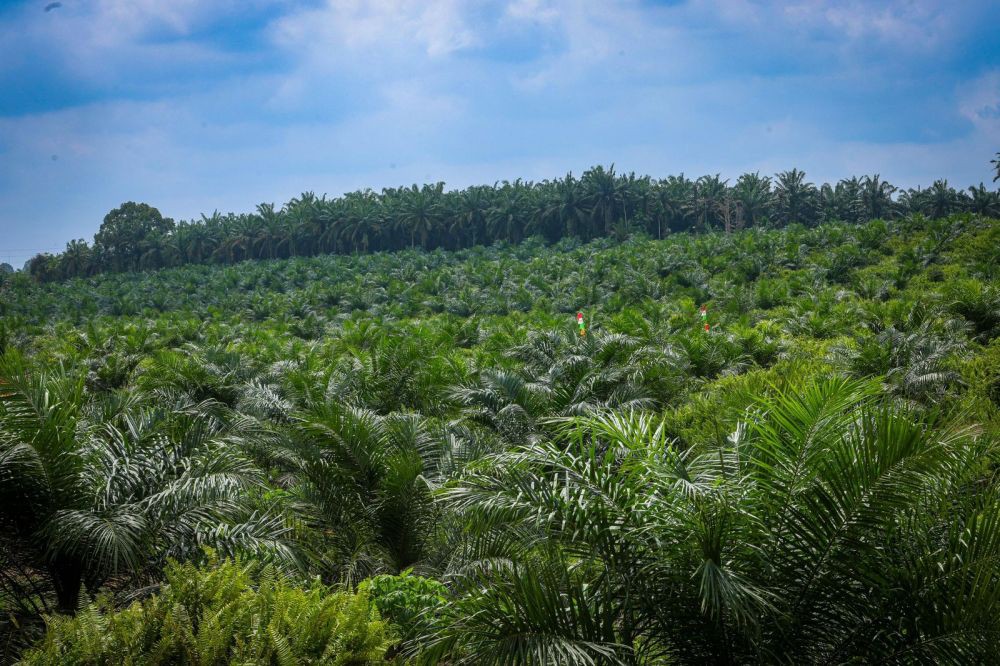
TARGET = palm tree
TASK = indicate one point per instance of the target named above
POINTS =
(360, 479)
(876, 198)
(111, 490)
(795, 199)
(817, 528)
(914, 364)
(673, 195)
(941, 200)
(199, 240)
(753, 192)
(984, 202)
(471, 213)
(420, 212)
(850, 206)
(569, 207)
(507, 215)
(707, 199)
(504, 401)
(362, 219)
(603, 197)
(76, 258)
(265, 241)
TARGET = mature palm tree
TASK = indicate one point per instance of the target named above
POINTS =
(637, 198)
(876, 198)
(265, 242)
(753, 192)
(706, 203)
(362, 219)
(795, 199)
(238, 233)
(471, 213)
(673, 195)
(199, 240)
(76, 260)
(309, 221)
(507, 216)
(155, 251)
(941, 200)
(603, 196)
(420, 212)
(569, 206)
(984, 202)
(850, 206)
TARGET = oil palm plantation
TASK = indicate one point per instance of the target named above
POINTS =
(830, 525)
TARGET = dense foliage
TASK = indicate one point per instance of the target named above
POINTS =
(223, 615)
(812, 479)
(599, 203)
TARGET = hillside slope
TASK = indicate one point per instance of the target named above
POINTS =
(813, 475)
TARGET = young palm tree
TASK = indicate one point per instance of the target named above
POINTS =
(360, 482)
(93, 491)
(829, 526)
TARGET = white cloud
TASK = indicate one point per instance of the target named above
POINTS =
(381, 28)
(979, 102)
(541, 11)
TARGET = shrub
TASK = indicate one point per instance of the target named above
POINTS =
(410, 602)
(230, 612)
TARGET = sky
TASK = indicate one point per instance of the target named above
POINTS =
(195, 106)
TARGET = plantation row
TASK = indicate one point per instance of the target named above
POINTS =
(599, 203)
(416, 457)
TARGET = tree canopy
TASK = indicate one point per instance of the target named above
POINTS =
(130, 236)
(600, 203)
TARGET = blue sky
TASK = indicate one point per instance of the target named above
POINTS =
(193, 106)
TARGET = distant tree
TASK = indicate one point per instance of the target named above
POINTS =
(6, 268)
(983, 202)
(876, 197)
(505, 217)
(471, 214)
(126, 232)
(43, 267)
(603, 196)
(996, 165)
(420, 211)
(674, 195)
(795, 199)
(76, 259)
(753, 192)
(707, 201)
(941, 200)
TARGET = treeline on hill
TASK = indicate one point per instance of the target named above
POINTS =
(416, 458)
(599, 203)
